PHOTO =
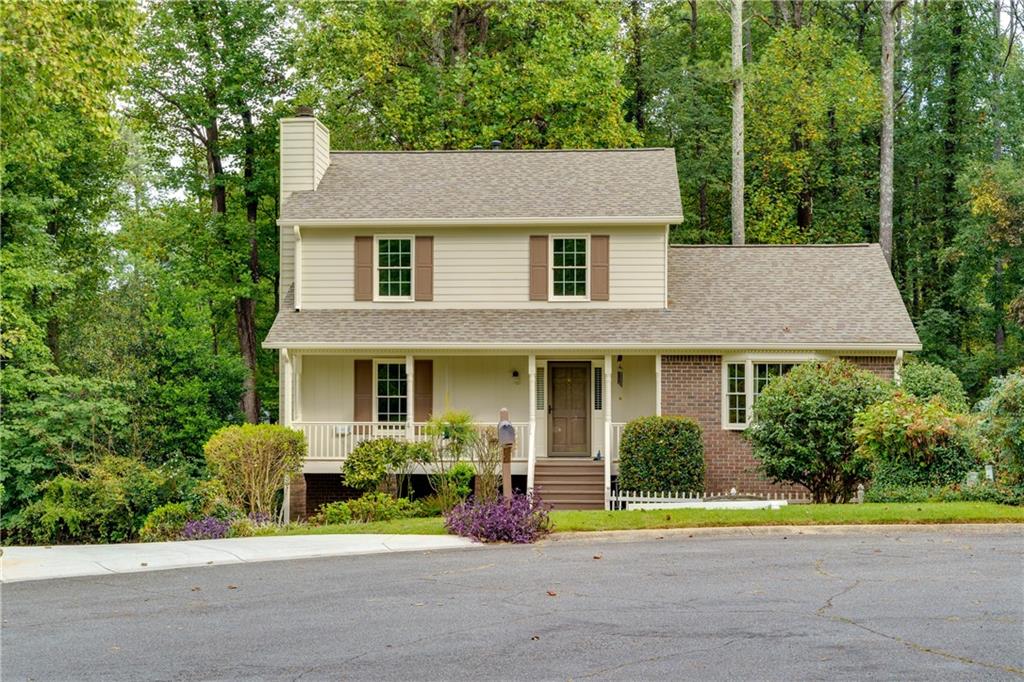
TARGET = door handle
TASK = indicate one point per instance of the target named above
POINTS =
(549, 408)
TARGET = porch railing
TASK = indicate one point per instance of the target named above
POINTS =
(336, 440)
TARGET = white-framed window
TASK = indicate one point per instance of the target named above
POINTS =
(570, 263)
(743, 380)
(393, 267)
(391, 400)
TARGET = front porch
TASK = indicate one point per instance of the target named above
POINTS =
(564, 407)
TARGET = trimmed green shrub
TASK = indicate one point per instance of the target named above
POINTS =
(166, 522)
(914, 443)
(802, 430)
(926, 380)
(381, 507)
(378, 464)
(252, 460)
(1002, 425)
(107, 501)
(461, 479)
(661, 454)
(334, 513)
(900, 493)
(983, 491)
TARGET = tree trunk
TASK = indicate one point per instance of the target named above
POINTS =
(738, 227)
(245, 306)
(886, 152)
(636, 39)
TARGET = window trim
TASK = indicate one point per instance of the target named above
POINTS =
(377, 362)
(551, 267)
(377, 297)
(748, 360)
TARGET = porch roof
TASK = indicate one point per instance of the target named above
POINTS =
(720, 297)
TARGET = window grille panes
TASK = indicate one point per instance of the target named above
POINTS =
(766, 371)
(394, 267)
(736, 392)
(392, 403)
(598, 388)
(569, 272)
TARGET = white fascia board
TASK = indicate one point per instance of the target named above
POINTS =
(682, 349)
(477, 222)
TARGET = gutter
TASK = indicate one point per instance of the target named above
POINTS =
(690, 348)
(477, 222)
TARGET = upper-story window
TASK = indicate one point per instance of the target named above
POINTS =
(569, 258)
(393, 273)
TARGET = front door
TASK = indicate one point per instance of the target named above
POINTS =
(569, 409)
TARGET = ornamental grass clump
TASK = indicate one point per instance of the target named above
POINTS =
(520, 519)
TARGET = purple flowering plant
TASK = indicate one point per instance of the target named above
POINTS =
(207, 528)
(520, 519)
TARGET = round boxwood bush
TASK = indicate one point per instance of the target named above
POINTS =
(912, 442)
(802, 431)
(925, 380)
(661, 454)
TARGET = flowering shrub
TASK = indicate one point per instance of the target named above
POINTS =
(520, 519)
(206, 528)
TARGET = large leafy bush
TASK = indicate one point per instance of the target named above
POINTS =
(379, 464)
(926, 380)
(910, 442)
(1002, 425)
(374, 506)
(107, 501)
(166, 522)
(802, 431)
(663, 454)
(253, 460)
(520, 519)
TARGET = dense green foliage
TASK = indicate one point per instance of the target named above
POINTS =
(926, 380)
(370, 507)
(253, 461)
(802, 431)
(139, 246)
(166, 522)
(1002, 425)
(983, 491)
(105, 501)
(661, 454)
(379, 464)
(911, 442)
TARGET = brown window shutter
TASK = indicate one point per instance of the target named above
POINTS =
(364, 269)
(538, 267)
(423, 394)
(424, 285)
(362, 405)
(599, 267)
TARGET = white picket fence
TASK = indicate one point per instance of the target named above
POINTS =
(631, 499)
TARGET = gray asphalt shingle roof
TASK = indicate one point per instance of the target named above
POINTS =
(719, 297)
(485, 184)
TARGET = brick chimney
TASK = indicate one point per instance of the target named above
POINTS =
(305, 152)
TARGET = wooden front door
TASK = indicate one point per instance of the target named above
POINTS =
(569, 409)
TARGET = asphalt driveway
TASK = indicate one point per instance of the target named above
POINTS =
(891, 603)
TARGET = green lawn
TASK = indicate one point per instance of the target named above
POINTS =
(792, 515)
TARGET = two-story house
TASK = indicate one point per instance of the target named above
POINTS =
(543, 282)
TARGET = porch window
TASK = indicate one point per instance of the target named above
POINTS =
(569, 267)
(392, 403)
(394, 267)
(744, 382)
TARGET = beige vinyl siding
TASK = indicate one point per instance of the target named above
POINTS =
(484, 267)
(326, 388)
(286, 253)
(328, 268)
(305, 154)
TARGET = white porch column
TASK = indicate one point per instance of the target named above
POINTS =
(285, 418)
(297, 363)
(410, 397)
(298, 267)
(607, 431)
(897, 367)
(531, 438)
(657, 385)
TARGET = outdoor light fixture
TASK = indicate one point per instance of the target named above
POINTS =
(515, 376)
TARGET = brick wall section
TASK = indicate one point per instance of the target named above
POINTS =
(297, 498)
(324, 488)
(882, 365)
(691, 386)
